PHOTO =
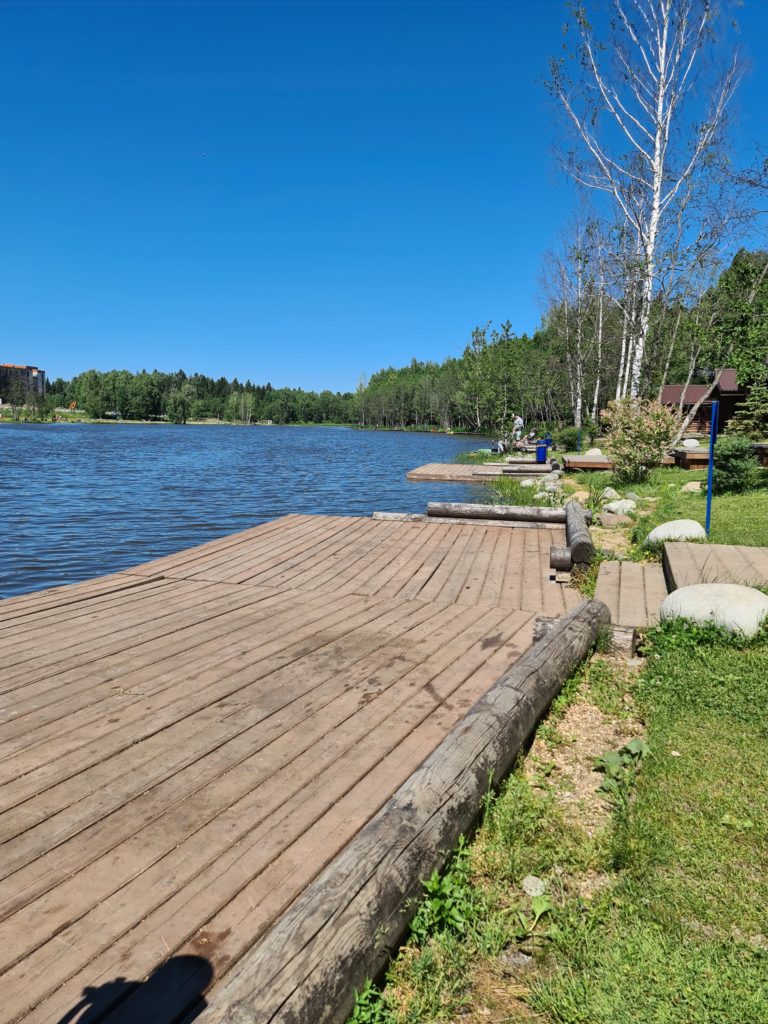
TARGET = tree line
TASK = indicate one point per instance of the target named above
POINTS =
(564, 373)
(178, 397)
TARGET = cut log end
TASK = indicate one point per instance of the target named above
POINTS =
(560, 559)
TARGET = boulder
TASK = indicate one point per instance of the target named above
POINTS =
(609, 494)
(580, 496)
(691, 442)
(621, 507)
(529, 483)
(552, 488)
(540, 496)
(612, 522)
(676, 529)
(691, 487)
(592, 453)
(730, 605)
(631, 496)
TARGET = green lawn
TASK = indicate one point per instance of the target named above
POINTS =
(677, 933)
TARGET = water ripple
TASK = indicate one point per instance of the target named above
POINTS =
(81, 500)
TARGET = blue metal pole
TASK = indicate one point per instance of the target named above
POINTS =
(712, 439)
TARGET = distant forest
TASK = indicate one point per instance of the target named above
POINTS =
(562, 374)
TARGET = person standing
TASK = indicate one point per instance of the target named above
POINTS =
(517, 426)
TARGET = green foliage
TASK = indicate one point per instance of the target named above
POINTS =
(449, 899)
(735, 470)
(369, 1006)
(567, 438)
(178, 397)
(751, 417)
(639, 435)
(620, 768)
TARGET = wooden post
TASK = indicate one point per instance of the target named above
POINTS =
(560, 559)
(346, 925)
(577, 534)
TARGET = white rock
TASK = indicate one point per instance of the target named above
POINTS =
(533, 885)
(676, 529)
(736, 608)
(621, 507)
(552, 488)
(593, 453)
(609, 494)
(528, 483)
(631, 496)
(691, 487)
(691, 442)
(540, 495)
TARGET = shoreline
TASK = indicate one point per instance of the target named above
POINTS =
(227, 423)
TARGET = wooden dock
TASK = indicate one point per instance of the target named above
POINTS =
(686, 564)
(633, 592)
(187, 744)
(473, 473)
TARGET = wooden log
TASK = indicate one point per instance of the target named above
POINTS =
(345, 926)
(524, 513)
(560, 559)
(577, 534)
(623, 638)
(531, 469)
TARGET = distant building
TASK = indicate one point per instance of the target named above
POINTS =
(31, 379)
(727, 392)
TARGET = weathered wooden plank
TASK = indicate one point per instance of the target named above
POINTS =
(345, 925)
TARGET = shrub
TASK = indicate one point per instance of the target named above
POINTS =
(639, 434)
(735, 469)
(567, 438)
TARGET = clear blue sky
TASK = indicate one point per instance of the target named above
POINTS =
(298, 192)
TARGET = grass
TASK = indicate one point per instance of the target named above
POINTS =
(678, 932)
(736, 518)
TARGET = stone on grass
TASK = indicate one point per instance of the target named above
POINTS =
(632, 496)
(551, 488)
(621, 507)
(676, 529)
(540, 495)
(534, 886)
(611, 521)
(528, 483)
(730, 605)
(691, 487)
(609, 494)
(691, 442)
(580, 496)
(592, 453)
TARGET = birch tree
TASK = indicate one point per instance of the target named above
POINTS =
(648, 109)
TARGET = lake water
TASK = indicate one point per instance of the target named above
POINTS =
(81, 500)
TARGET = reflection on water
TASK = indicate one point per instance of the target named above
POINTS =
(80, 500)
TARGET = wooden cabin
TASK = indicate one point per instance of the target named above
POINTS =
(728, 393)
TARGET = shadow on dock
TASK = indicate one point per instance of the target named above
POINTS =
(163, 998)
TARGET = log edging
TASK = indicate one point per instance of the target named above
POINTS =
(521, 513)
(345, 926)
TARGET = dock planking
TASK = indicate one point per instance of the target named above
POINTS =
(472, 473)
(633, 592)
(686, 564)
(188, 743)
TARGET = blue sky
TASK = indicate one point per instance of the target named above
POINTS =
(297, 192)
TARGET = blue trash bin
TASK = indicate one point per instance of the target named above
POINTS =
(541, 451)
